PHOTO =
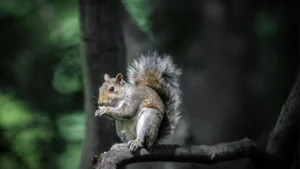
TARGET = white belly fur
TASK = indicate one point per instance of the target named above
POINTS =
(126, 130)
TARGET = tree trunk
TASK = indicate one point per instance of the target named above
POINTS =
(102, 50)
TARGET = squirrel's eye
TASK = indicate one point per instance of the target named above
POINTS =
(111, 89)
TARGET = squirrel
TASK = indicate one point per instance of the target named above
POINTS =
(146, 108)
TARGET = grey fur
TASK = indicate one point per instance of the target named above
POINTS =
(167, 86)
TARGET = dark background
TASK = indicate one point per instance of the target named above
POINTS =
(239, 60)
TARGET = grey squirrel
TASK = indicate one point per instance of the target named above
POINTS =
(146, 108)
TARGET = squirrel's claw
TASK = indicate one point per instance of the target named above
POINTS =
(133, 145)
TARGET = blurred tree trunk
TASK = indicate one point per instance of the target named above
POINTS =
(102, 50)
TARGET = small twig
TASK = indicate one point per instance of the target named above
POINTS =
(205, 154)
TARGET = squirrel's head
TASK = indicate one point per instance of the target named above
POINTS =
(111, 91)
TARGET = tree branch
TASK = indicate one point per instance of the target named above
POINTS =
(204, 154)
(281, 143)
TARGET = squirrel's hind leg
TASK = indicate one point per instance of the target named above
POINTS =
(146, 129)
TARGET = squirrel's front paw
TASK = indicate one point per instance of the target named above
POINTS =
(101, 111)
(133, 145)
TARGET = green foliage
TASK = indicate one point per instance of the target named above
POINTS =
(44, 68)
(15, 7)
(26, 144)
(66, 160)
(67, 76)
(71, 126)
(25, 129)
(8, 162)
(65, 31)
(13, 113)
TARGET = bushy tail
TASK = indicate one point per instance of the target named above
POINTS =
(161, 74)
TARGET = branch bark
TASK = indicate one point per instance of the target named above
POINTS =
(205, 154)
(282, 140)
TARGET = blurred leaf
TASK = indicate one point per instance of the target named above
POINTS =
(68, 75)
(15, 7)
(7, 162)
(70, 159)
(26, 144)
(71, 126)
(13, 113)
(67, 31)
(25, 130)
(66, 84)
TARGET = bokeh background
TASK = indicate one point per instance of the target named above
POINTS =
(239, 60)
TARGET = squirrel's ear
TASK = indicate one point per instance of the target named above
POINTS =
(106, 77)
(119, 79)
